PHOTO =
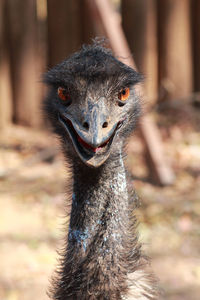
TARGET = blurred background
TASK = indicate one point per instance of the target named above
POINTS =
(164, 38)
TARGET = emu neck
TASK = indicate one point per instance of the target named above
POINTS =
(99, 208)
(102, 248)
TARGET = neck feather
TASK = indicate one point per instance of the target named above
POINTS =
(102, 247)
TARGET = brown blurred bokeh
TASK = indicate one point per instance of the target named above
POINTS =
(164, 37)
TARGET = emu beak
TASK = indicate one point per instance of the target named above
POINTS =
(99, 126)
(93, 138)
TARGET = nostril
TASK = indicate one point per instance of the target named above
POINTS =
(105, 124)
(86, 125)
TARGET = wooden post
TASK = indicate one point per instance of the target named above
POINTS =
(139, 22)
(175, 59)
(21, 22)
(102, 13)
(64, 29)
(196, 42)
(5, 83)
(88, 30)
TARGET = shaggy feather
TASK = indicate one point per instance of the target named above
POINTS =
(102, 258)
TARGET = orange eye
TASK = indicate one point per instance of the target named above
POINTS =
(62, 94)
(124, 94)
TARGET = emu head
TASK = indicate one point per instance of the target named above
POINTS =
(92, 103)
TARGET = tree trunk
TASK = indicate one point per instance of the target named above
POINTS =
(196, 43)
(5, 83)
(64, 29)
(22, 35)
(175, 58)
(139, 23)
(88, 30)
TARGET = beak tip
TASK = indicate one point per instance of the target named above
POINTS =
(95, 142)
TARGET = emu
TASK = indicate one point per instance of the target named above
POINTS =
(93, 107)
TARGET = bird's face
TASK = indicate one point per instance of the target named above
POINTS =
(92, 114)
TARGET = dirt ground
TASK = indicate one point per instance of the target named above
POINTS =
(32, 199)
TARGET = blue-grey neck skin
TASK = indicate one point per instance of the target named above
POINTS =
(99, 208)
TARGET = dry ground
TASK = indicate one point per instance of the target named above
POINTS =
(32, 209)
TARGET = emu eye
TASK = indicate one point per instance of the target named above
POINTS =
(63, 95)
(124, 94)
